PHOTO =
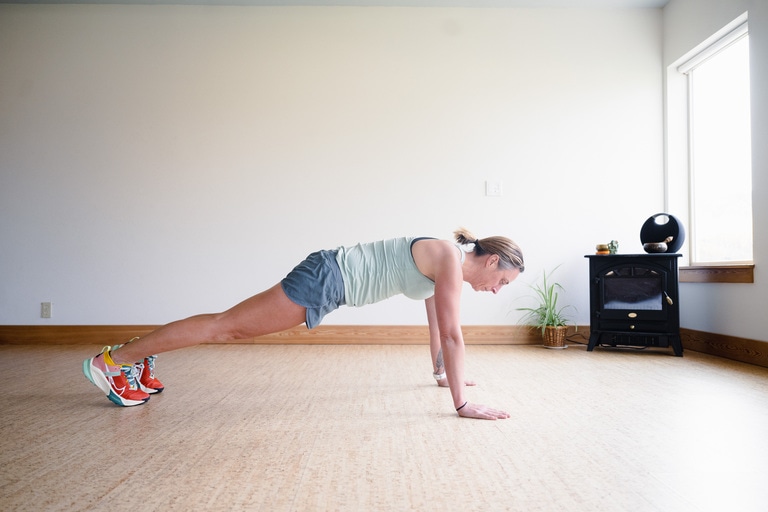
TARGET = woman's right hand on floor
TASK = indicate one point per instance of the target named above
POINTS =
(482, 412)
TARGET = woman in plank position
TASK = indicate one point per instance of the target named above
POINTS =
(420, 268)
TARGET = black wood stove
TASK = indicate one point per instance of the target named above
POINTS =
(633, 300)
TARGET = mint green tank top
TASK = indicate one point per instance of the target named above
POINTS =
(376, 271)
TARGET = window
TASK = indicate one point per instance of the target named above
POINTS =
(719, 151)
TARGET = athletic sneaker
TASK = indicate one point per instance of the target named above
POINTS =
(118, 381)
(146, 376)
(145, 372)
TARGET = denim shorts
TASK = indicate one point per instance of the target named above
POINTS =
(317, 285)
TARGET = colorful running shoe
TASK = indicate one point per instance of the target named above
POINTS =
(145, 372)
(118, 381)
(146, 376)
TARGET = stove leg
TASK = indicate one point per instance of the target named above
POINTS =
(677, 346)
(593, 337)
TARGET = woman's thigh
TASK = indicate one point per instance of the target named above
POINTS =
(265, 313)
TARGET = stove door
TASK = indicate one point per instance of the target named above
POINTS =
(634, 292)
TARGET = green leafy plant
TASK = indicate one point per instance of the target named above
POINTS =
(547, 312)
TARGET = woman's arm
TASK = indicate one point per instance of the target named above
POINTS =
(435, 349)
(441, 262)
(438, 366)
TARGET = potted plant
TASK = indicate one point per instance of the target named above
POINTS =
(547, 315)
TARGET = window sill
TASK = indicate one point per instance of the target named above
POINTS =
(718, 274)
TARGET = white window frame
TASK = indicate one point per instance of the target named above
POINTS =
(677, 198)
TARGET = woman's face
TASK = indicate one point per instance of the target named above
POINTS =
(492, 278)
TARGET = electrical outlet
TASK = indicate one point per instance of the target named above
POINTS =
(493, 188)
(45, 310)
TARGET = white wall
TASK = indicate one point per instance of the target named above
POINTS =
(731, 309)
(157, 162)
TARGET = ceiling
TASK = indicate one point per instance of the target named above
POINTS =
(381, 3)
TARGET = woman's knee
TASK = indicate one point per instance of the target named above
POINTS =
(212, 328)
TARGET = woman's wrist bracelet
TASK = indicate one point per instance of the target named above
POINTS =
(462, 406)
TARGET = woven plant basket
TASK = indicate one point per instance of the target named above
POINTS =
(554, 337)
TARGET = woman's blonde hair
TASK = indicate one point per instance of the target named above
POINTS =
(509, 253)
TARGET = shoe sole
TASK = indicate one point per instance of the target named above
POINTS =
(151, 391)
(98, 379)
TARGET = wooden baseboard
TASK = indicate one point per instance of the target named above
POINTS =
(322, 335)
(730, 347)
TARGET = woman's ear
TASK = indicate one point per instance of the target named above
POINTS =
(492, 260)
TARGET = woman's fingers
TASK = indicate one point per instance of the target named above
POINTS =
(482, 412)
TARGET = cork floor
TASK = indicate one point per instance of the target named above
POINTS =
(350, 428)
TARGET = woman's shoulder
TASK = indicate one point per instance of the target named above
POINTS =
(433, 245)
(433, 254)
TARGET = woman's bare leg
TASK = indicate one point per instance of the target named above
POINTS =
(268, 312)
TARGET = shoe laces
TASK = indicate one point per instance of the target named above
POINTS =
(151, 365)
(131, 373)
